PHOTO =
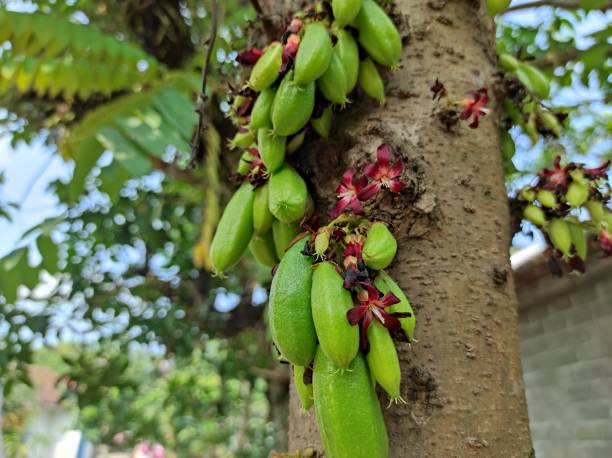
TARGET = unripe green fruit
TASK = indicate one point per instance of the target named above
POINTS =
(378, 34)
(531, 128)
(260, 114)
(321, 243)
(290, 317)
(322, 125)
(347, 410)
(528, 194)
(271, 149)
(345, 11)
(330, 302)
(547, 198)
(284, 234)
(497, 6)
(262, 218)
(293, 105)
(508, 62)
(287, 195)
(577, 193)
(267, 68)
(560, 236)
(596, 210)
(262, 248)
(242, 139)
(371, 81)
(534, 80)
(304, 391)
(380, 247)
(385, 283)
(244, 165)
(296, 142)
(234, 230)
(348, 52)
(550, 121)
(535, 215)
(314, 54)
(382, 359)
(579, 240)
(333, 82)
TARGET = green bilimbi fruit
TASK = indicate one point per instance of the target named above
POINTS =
(560, 235)
(380, 247)
(534, 80)
(262, 218)
(330, 303)
(267, 68)
(242, 139)
(260, 114)
(528, 194)
(378, 34)
(244, 165)
(577, 193)
(531, 128)
(385, 283)
(234, 230)
(296, 142)
(333, 82)
(547, 198)
(304, 391)
(370, 80)
(293, 105)
(347, 410)
(262, 248)
(508, 62)
(322, 124)
(284, 234)
(535, 214)
(497, 6)
(291, 322)
(382, 359)
(579, 240)
(550, 121)
(345, 11)
(271, 149)
(314, 54)
(288, 195)
(596, 210)
(348, 52)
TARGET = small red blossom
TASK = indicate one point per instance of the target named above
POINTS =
(249, 57)
(605, 241)
(438, 89)
(352, 254)
(245, 108)
(289, 51)
(295, 26)
(557, 177)
(383, 174)
(351, 192)
(597, 172)
(355, 269)
(372, 304)
(475, 107)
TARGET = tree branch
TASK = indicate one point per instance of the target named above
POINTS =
(570, 5)
(196, 143)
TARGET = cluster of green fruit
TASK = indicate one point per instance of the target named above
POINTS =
(330, 297)
(557, 205)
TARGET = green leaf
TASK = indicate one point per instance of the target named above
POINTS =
(592, 4)
(85, 158)
(127, 154)
(49, 254)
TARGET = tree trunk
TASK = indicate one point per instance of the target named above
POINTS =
(462, 380)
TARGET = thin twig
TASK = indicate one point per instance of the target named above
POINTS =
(570, 5)
(201, 102)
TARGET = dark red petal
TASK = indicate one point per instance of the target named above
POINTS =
(474, 123)
(347, 177)
(367, 321)
(360, 183)
(369, 191)
(356, 206)
(249, 57)
(373, 293)
(389, 299)
(465, 114)
(383, 154)
(396, 169)
(396, 186)
(372, 171)
(340, 206)
(390, 321)
(355, 314)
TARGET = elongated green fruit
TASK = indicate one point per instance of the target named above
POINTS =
(370, 80)
(385, 283)
(508, 62)
(596, 210)
(535, 214)
(378, 34)
(314, 54)
(242, 140)
(348, 52)
(260, 114)
(579, 240)
(267, 68)
(547, 198)
(330, 302)
(244, 165)
(550, 121)
(289, 312)
(288, 195)
(382, 359)
(577, 193)
(560, 236)
(234, 230)
(293, 105)
(304, 391)
(322, 124)
(345, 11)
(535, 81)
(262, 248)
(262, 218)
(497, 6)
(333, 82)
(272, 149)
(380, 247)
(348, 413)
(283, 234)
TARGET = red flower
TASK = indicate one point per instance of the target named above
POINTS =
(475, 107)
(295, 26)
(597, 172)
(289, 51)
(557, 177)
(371, 306)
(605, 241)
(352, 191)
(438, 90)
(352, 254)
(383, 174)
(249, 57)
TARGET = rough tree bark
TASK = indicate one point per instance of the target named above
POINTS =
(462, 380)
